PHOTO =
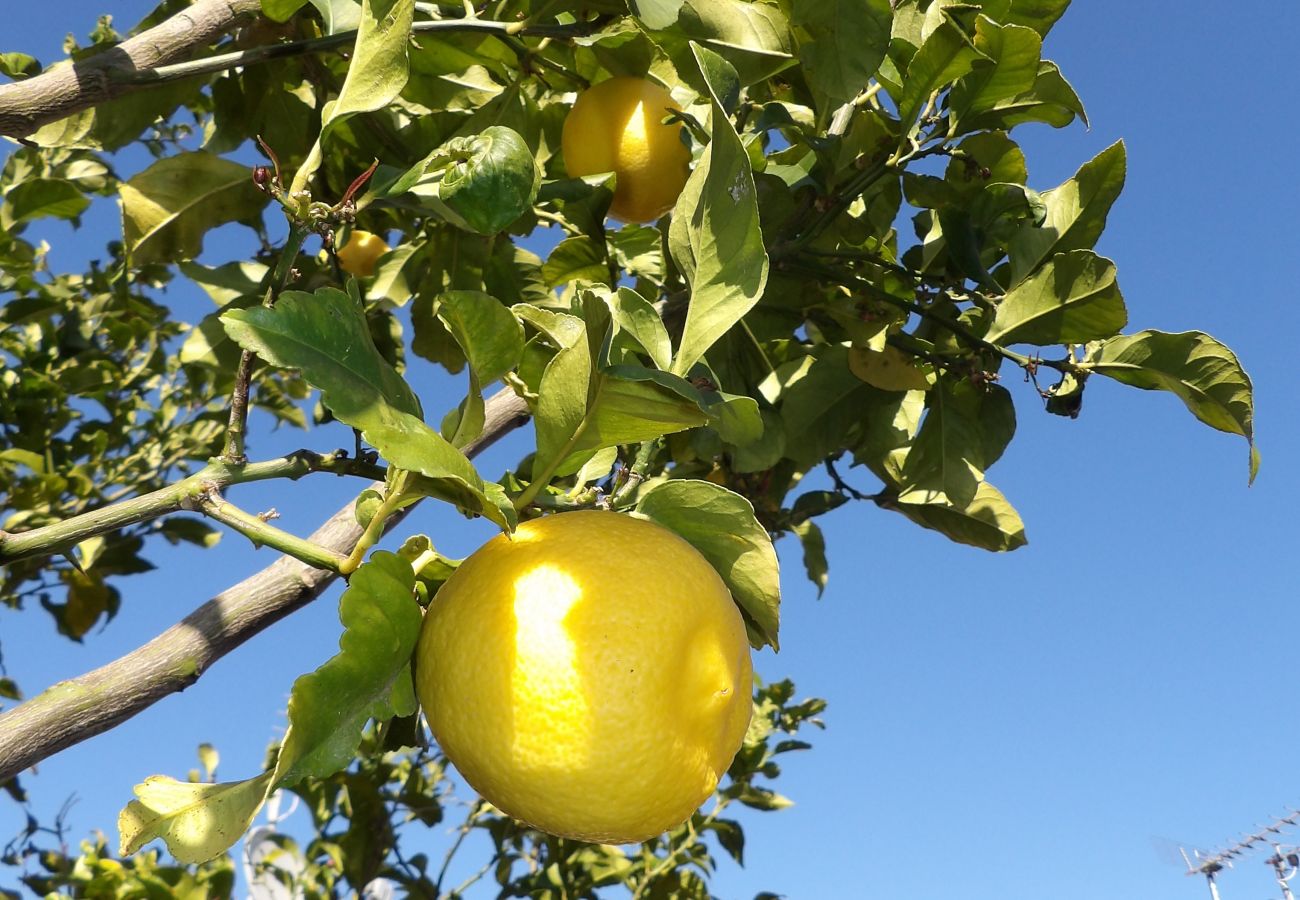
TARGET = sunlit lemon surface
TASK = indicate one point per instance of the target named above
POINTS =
(361, 253)
(589, 676)
(618, 126)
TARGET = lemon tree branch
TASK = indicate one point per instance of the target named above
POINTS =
(184, 494)
(74, 710)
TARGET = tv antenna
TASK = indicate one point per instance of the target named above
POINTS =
(1286, 864)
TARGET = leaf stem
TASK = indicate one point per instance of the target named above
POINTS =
(521, 502)
(394, 496)
(635, 474)
(217, 475)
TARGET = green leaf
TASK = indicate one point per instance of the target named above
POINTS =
(480, 182)
(1039, 15)
(722, 526)
(847, 39)
(965, 431)
(656, 14)
(1199, 370)
(1076, 213)
(197, 821)
(576, 258)
(814, 553)
(1072, 299)
(715, 238)
(637, 317)
(19, 65)
(281, 10)
(826, 406)
(40, 198)
(338, 15)
(988, 521)
(492, 341)
(1051, 100)
(329, 708)
(368, 678)
(377, 72)
(944, 56)
(581, 409)
(167, 208)
(325, 336)
(178, 528)
(1013, 52)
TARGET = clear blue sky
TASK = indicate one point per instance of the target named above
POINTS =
(999, 726)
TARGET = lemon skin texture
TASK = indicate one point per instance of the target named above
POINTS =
(589, 676)
(617, 126)
(359, 255)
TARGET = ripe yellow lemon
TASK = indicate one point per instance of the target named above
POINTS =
(617, 126)
(588, 675)
(359, 255)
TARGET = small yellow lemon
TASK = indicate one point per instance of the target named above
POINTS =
(359, 255)
(588, 675)
(617, 126)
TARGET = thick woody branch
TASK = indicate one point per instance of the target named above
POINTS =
(69, 88)
(72, 711)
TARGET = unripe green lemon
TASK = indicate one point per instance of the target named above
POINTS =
(588, 675)
(617, 126)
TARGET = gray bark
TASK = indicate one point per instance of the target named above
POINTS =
(68, 88)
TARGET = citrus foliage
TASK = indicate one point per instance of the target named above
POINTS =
(845, 277)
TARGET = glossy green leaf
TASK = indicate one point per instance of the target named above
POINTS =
(329, 707)
(814, 553)
(326, 337)
(721, 525)
(582, 409)
(281, 10)
(170, 206)
(846, 40)
(965, 431)
(945, 55)
(338, 15)
(826, 407)
(40, 198)
(377, 72)
(637, 318)
(1199, 370)
(988, 521)
(1076, 213)
(1072, 299)
(1013, 52)
(1051, 100)
(1039, 15)
(715, 239)
(656, 14)
(481, 182)
(492, 340)
(577, 258)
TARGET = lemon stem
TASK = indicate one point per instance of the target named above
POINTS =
(393, 499)
(541, 481)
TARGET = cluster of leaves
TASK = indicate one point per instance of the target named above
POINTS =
(360, 817)
(692, 371)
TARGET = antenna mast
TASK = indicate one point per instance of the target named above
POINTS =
(1285, 865)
